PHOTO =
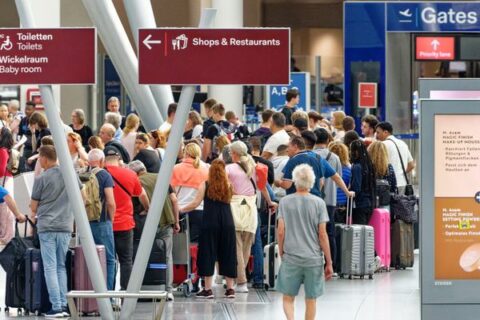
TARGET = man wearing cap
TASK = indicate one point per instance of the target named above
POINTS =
(126, 186)
(107, 133)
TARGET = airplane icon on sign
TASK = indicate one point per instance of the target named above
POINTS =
(406, 16)
(406, 13)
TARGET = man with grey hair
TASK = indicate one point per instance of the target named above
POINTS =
(303, 244)
(113, 105)
(168, 219)
(115, 119)
(102, 229)
(106, 133)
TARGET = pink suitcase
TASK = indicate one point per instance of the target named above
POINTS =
(380, 221)
(82, 280)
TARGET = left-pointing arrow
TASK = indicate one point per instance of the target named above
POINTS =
(147, 42)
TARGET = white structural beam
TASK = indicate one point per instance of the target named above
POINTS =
(70, 179)
(161, 187)
(115, 39)
(230, 15)
(140, 16)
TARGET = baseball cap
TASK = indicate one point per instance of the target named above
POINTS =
(110, 151)
(300, 123)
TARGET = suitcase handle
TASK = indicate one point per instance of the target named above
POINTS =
(269, 224)
(349, 215)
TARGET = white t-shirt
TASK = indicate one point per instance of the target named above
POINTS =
(165, 126)
(197, 131)
(394, 159)
(277, 139)
(279, 163)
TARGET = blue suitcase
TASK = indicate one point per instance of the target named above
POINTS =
(36, 293)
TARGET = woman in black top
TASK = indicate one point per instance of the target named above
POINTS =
(217, 241)
(146, 154)
(362, 183)
(383, 169)
(78, 125)
(39, 127)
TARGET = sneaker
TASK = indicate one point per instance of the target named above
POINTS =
(116, 307)
(241, 288)
(335, 275)
(205, 294)
(66, 312)
(170, 296)
(258, 285)
(378, 263)
(230, 294)
(54, 314)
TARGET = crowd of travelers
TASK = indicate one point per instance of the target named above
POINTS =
(297, 169)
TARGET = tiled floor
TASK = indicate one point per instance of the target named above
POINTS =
(391, 296)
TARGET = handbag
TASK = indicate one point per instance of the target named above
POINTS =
(402, 207)
(408, 188)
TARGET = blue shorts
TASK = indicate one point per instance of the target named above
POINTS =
(291, 277)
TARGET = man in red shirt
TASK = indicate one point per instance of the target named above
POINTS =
(126, 186)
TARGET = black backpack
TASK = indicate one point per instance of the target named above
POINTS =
(382, 190)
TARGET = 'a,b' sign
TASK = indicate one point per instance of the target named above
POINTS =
(214, 56)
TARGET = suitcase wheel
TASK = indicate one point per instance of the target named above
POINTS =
(266, 287)
(341, 276)
(370, 277)
(186, 290)
(350, 277)
(6, 309)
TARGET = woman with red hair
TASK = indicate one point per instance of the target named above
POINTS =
(217, 240)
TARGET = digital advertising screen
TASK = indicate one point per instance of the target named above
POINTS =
(457, 197)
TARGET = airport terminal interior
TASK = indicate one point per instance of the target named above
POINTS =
(389, 88)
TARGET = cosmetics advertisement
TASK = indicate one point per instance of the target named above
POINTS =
(457, 197)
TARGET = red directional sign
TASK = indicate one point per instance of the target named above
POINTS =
(214, 56)
(367, 95)
(435, 48)
(47, 56)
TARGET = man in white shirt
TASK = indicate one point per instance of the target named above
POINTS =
(279, 136)
(395, 149)
(167, 125)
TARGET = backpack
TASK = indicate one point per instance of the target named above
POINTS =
(382, 190)
(13, 164)
(227, 132)
(93, 203)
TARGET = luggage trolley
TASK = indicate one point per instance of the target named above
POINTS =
(181, 256)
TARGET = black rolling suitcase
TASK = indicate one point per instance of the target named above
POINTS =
(36, 293)
(156, 272)
(15, 288)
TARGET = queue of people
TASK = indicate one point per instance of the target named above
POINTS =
(227, 180)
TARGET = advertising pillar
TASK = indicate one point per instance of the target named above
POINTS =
(450, 209)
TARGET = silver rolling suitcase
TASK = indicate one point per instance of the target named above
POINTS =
(271, 261)
(358, 248)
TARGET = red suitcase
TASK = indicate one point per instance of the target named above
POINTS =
(82, 281)
(180, 270)
(380, 221)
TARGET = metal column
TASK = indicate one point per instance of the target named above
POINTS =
(140, 15)
(114, 38)
(70, 178)
(230, 15)
(161, 187)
